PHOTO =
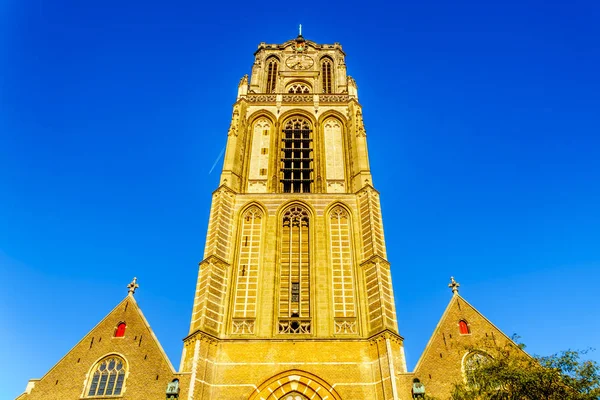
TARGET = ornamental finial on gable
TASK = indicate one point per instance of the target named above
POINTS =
(453, 285)
(132, 286)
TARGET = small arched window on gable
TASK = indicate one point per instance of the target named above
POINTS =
(327, 75)
(272, 67)
(463, 327)
(107, 377)
(120, 331)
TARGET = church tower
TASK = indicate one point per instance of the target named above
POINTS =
(294, 297)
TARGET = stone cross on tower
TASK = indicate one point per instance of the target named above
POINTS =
(453, 285)
(132, 286)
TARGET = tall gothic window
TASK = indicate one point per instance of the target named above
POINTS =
(108, 377)
(327, 75)
(342, 270)
(248, 264)
(259, 160)
(294, 282)
(272, 66)
(296, 162)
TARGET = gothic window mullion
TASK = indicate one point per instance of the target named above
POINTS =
(294, 311)
(272, 66)
(327, 75)
(297, 170)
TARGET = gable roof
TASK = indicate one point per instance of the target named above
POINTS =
(455, 303)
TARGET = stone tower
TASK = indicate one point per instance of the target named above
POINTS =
(294, 296)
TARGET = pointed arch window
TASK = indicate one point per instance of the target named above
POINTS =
(120, 330)
(259, 160)
(463, 327)
(248, 264)
(294, 281)
(272, 67)
(296, 175)
(472, 362)
(108, 377)
(327, 75)
(342, 270)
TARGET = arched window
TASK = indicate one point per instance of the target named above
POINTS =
(463, 327)
(246, 292)
(120, 331)
(299, 87)
(259, 160)
(327, 75)
(342, 269)
(472, 362)
(272, 67)
(108, 377)
(294, 282)
(334, 154)
(296, 158)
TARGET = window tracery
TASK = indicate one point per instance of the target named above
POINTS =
(246, 293)
(334, 155)
(296, 175)
(473, 361)
(259, 160)
(108, 377)
(294, 282)
(342, 270)
(299, 87)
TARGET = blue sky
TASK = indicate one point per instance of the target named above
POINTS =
(483, 126)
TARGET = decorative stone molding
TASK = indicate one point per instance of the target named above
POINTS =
(297, 98)
(333, 98)
(345, 325)
(242, 326)
(336, 186)
(261, 98)
(291, 382)
(294, 326)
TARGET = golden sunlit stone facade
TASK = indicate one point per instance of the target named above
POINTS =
(294, 294)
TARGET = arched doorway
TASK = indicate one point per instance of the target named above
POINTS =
(295, 385)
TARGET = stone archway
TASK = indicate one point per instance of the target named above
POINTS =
(294, 396)
(295, 385)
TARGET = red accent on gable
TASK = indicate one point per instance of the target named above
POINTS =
(464, 328)
(120, 332)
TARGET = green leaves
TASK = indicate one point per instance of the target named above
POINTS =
(511, 374)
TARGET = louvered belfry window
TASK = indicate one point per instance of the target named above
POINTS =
(296, 162)
(271, 75)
